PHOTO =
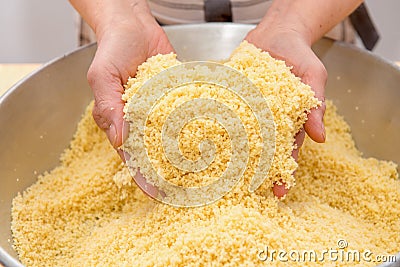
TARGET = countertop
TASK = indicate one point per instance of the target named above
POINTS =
(12, 73)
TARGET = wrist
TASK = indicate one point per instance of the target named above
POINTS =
(273, 31)
(287, 22)
(308, 18)
(125, 16)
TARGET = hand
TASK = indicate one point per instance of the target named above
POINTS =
(293, 48)
(122, 47)
(287, 31)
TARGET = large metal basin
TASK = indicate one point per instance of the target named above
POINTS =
(38, 115)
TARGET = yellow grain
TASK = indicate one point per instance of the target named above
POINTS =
(75, 216)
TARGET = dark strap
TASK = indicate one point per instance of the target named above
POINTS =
(217, 11)
(364, 26)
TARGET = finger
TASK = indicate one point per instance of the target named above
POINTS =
(140, 180)
(299, 139)
(316, 77)
(125, 132)
(314, 125)
(279, 189)
(108, 116)
(123, 155)
(146, 187)
(108, 108)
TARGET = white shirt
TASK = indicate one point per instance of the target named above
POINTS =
(192, 11)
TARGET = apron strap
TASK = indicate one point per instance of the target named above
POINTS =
(221, 11)
(217, 11)
(364, 27)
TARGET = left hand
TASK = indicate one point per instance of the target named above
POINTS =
(289, 45)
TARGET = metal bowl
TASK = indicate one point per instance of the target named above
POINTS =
(39, 114)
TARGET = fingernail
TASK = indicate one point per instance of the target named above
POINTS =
(112, 135)
(279, 189)
(295, 154)
(125, 130)
(123, 155)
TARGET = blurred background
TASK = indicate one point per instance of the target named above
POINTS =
(34, 31)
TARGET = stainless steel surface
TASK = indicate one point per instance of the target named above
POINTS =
(366, 90)
(38, 116)
(206, 41)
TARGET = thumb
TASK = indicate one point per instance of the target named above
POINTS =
(316, 76)
(108, 107)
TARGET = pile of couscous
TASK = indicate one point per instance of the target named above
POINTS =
(88, 211)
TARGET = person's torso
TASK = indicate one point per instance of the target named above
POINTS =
(195, 11)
